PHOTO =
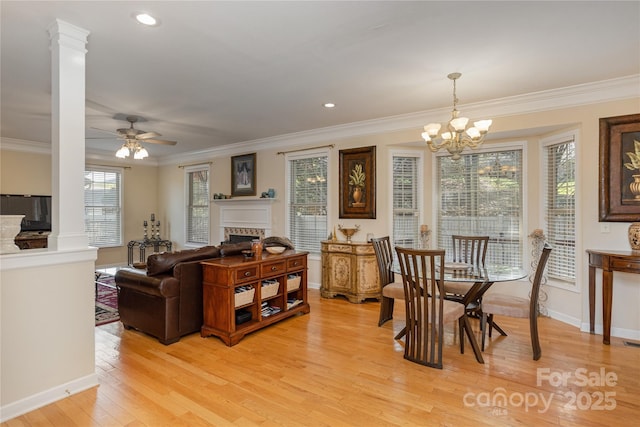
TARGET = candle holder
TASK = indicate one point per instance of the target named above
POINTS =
(537, 244)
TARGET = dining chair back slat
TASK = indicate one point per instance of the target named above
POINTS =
(470, 249)
(390, 290)
(425, 307)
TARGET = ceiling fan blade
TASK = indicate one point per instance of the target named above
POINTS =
(147, 135)
(107, 131)
(160, 141)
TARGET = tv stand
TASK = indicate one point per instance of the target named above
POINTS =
(32, 239)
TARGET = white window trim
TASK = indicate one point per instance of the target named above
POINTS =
(419, 154)
(325, 151)
(187, 170)
(545, 142)
(488, 148)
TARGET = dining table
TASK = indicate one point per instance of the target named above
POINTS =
(481, 278)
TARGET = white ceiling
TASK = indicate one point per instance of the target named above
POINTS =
(216, 73)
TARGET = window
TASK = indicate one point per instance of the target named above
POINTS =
(406, 181)
(197, 216)
(481, 194)
(307, 199)
(560, 206)
(103, 206)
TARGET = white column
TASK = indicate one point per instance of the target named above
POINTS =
(67, 135)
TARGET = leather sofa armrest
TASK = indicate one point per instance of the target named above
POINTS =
(162, 285)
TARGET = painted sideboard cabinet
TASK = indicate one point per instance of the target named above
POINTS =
(349, 269)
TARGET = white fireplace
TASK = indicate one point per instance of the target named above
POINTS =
(244, 217)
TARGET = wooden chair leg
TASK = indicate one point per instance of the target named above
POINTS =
(535, 340)
(386, 310)
(483, 329)
(461, 333)
(401, 334)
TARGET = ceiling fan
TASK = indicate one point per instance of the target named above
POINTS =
(132, 138)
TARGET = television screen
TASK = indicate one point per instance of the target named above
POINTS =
(36, 210)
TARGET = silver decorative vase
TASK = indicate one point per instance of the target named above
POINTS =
(9, 229)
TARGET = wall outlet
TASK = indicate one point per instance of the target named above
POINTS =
(604, 227)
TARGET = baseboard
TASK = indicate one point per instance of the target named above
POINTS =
(46, 397)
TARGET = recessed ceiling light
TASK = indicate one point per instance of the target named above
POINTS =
(329, 105)
(146, 19)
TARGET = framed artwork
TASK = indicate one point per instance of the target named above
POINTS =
(243, 175)
(358, 183)
(619, 180)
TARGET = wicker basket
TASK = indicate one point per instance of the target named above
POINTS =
(293, 283)
(269, 290)
(246, 297)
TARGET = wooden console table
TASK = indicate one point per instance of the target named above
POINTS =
(608, 261)
(349, 269)
(241, 295)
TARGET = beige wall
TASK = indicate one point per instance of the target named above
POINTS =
(25, 173)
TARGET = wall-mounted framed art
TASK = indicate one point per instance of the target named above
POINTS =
(243, 175)
(619, 178)
(358, 183)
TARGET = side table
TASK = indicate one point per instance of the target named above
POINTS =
(144, 244)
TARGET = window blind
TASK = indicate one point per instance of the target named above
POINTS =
(198, 206)
(308, 201)
(560, 209)
(102, 206)
(481, 194)
(405, 201)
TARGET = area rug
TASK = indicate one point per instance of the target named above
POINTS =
(106, 300)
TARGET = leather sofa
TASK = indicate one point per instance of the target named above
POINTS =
(165, 300)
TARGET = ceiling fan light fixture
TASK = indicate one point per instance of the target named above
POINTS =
(123, 152)
(140, 153)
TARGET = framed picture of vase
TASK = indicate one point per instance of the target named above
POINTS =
(358, 183)
(619, 178)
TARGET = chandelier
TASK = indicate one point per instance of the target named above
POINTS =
(132, 146)
(457, 136)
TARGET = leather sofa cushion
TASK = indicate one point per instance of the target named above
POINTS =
(164, 262)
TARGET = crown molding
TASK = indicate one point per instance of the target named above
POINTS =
(554, 99)
(572, 96)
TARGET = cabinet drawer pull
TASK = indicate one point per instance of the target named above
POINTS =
(295, 263)
(247, 273)
(274, 268)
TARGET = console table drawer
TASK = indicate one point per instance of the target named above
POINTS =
(296, 264)
(625, 265)
(246, 274)
(273, 268)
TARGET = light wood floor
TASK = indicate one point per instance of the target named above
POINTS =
(336, 367)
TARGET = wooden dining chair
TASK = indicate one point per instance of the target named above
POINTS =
(468, 250)
(512, 306)
(425, 306)
(391, 290)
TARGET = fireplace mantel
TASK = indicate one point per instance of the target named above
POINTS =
(247, 213)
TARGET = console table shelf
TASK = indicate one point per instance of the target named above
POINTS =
(231, 320)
